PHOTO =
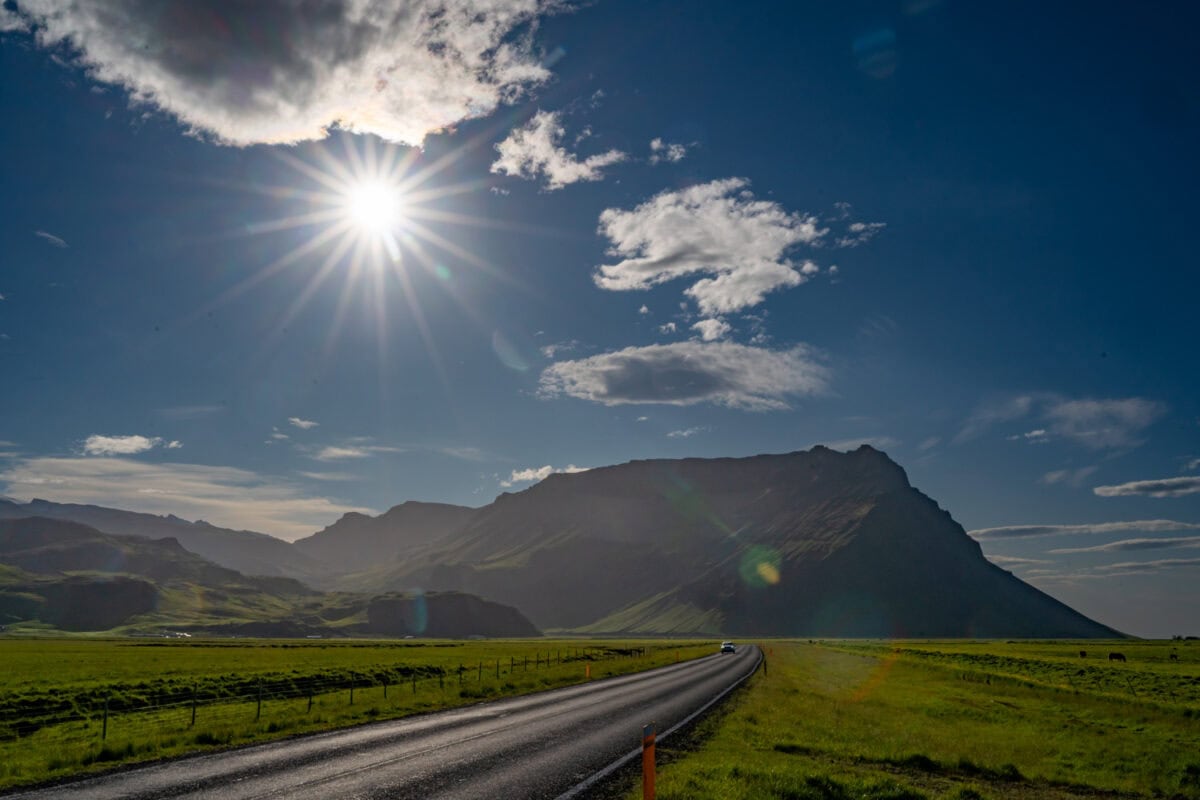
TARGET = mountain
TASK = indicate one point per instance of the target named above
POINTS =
(800, 544)
(811, 543)
(358, 542)
(71, 576)
(245, 551)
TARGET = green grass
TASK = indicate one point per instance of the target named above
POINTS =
(53, 691)
(960, 720)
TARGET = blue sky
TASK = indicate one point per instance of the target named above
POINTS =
(262, 265)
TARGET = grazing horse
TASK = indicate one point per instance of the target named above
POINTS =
(1083, 653)
(1174, 656)
(1116, 656)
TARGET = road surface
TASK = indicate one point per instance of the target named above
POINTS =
(553, 744)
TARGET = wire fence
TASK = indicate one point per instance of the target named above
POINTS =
(147, 710)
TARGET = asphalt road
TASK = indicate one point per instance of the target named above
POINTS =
(554, 744)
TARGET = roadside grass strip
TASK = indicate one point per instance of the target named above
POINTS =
(899, 720)
(167, 698)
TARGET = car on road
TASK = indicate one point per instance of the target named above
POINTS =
(728, 647)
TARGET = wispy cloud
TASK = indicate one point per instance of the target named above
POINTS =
(1097, 424)
(929, 443)
(532, 474)
(328, 476)
(687, 433)
(52, 239)
(535, 151)
(687, 373)
(303, 424)
(1149, 567)
(225, 496)
(1163, 543)
(858, 233)
(1025, 531)
(396, 70)
(661, 151)
(355, 449)
(1069, 477)
(715, 229)
(99, 445)
(1162, 487)
(1015, 561)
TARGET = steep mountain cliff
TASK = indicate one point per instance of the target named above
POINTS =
(807, 543)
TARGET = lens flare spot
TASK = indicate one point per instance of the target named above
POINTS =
(510, 352)
(442, 271)
(374, 206)
(760, 567)
(768, 572)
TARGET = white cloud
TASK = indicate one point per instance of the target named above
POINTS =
(930, 443)
(878, 442)
(661, 151)
(1027, 531)
(328, 476)
(52, 239)
(224, 496)
(538, 474)
(859, 233)
(643, 419)
(687, 373)
(687, 433)
(9, 21)
(1135, 567)
(715, 229)
(1193, 464)
(667, 327)
(1038, 436)
(278, 435)
(351, 451)
(645, 309)
(303, 424)
(277, 72)
(98, 445)
(1015, 561)
(711, 330)
(1071, 477)
(551, 350)
(1163, 487)
(535, 150)
(1104, 424)
(1163, 543)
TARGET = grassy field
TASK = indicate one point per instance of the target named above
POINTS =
(965, 720)
(53, 692)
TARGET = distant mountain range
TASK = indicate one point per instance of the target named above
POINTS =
(814, 543)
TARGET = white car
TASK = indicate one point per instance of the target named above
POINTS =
(727, 647)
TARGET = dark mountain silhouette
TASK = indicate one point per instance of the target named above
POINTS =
(72, 576)
(813, 543)
(357, 542)
(807, 543)
(245, 551)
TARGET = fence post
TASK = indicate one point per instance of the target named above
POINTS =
(497, 669)
(104, 729)
(385, 688)
(480, 676)
(414, 677)
(258, 711)
(309, 701)
(461, 668)
(511, 664)
(648, 762)
(352, 690)
(193, 708)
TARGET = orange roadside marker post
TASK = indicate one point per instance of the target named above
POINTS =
(648, 762)
(587, 670)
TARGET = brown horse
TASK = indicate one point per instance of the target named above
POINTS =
(1174, 656)
(1116, 656)
(1083, 653)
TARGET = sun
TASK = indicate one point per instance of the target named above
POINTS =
(374, 207)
